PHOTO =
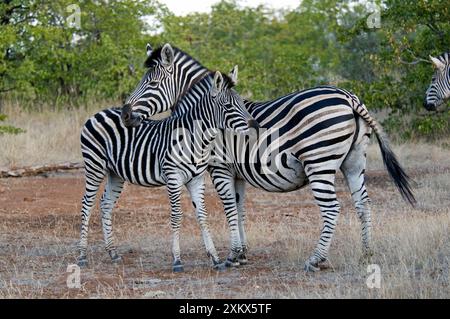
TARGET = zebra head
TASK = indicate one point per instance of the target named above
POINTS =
(232, 113)
(158, 89)
(439, 90)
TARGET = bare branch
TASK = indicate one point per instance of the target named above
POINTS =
(416, 61)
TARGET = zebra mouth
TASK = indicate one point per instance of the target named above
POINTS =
(129, 118)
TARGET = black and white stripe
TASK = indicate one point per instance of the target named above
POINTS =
(439, 90)
(306, 137)
(172, 152)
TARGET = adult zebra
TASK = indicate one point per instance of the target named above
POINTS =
(320, 130)
(172, 152)
(439, 90)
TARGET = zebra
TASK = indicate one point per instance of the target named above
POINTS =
(116, 144)
(319, 131)
(439, 90)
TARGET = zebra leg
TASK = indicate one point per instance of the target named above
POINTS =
(93, 181)
(113, 188)
(353, 169)
(325, 195)
(224, 183)
(196, 189)
(176, 217)
(240, 199)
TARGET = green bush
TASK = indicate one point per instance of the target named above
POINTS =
(8, 129)
(45, 61)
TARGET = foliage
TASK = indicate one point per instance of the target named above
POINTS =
(8, 129)
(43, 58)
(410, 32)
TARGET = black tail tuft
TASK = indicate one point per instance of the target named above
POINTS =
(398, 175)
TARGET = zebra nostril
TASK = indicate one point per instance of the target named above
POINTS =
(126, 114)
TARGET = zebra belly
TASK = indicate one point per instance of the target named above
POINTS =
(138, 170)
(283, 174)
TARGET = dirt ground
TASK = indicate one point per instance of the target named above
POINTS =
(39, 229)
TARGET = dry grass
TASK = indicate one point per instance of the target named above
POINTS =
(39, 224)
(50, 137)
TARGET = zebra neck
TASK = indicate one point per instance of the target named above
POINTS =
(192, 100)
(192, 132)
(190, 72)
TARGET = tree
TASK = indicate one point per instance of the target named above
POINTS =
(42, 56)
(410, 31)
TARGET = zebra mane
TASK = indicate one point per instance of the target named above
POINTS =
(206, 79)
(156, 55)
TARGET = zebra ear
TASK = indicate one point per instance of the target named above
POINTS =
(234, 75)
(149, 49)
(217, 84)
(167, 55)
(437, 63)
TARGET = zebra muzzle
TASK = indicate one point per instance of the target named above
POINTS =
(128, 118)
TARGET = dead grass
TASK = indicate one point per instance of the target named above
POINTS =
(39, 228)
(54, 136)
(50, 137)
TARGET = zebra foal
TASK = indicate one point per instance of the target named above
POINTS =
(118, 145)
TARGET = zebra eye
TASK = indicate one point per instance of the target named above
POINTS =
(153, 84)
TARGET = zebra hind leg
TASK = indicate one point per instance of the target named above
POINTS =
(113, 189)
(353, 169)
(224, 184)
(325, 195)
(93, 181)
(196, 189)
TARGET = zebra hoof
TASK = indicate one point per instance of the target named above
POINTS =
(177, 266)
(82, 262)
(242, 259)
(310, 267)
(116, 259)
(231, 263)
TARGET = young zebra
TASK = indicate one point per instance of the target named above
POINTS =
(439, 89)
(172, 152)
(309, 136)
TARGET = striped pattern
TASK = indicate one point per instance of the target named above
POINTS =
(172, 152)
(158, 92)
(439, 90)
(306, 137)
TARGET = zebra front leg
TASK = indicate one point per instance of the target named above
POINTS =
(224, 183)
(240, 200)
(176, 217)
(325, 195)
(93, 181)
(196, 189)
(113, 189)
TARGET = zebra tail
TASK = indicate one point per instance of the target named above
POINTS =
(397, 173)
